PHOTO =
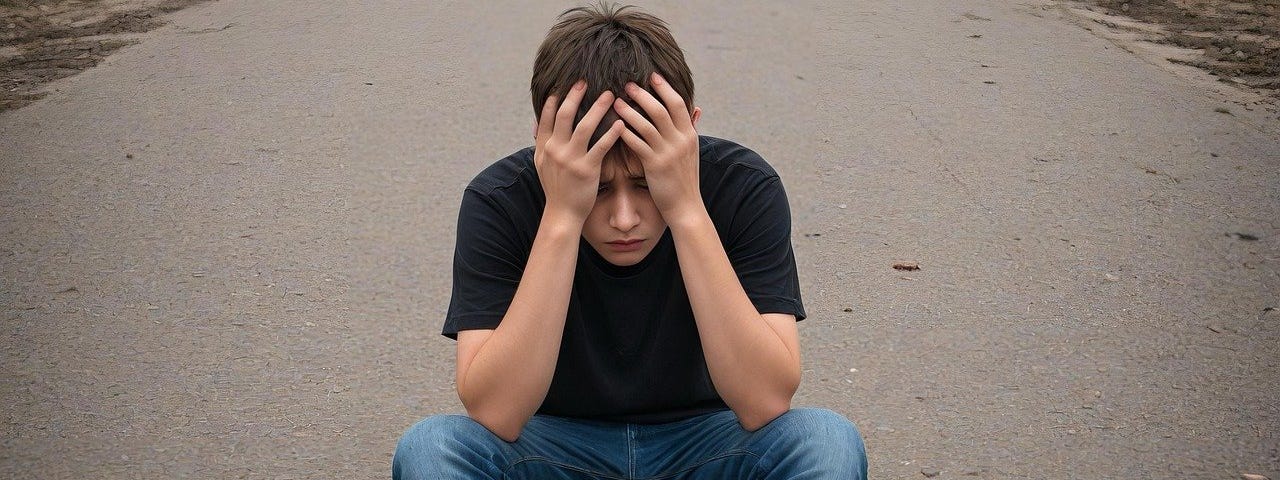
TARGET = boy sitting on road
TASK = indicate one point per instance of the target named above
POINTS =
(625, 295)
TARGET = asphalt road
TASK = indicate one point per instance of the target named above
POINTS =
(225, 251)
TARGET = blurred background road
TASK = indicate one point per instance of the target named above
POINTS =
(225, 250)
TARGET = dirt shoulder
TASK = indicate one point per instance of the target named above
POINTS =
(1239, 42)
(44, 40)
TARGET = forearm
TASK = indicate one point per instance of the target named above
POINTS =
(753, 369)
(508, 378)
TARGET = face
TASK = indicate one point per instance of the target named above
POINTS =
(625, 224)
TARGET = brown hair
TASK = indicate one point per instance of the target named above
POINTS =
(608, 46)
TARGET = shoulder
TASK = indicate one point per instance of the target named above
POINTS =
(514, 170)
(731, 161)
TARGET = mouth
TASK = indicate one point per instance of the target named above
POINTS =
(625, 245)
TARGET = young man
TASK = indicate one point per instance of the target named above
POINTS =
(625, 295)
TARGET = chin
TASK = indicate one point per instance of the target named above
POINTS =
(626, 260)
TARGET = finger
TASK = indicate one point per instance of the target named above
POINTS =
(587, 126)
(569, 109)
(607, 140)
(656, 110)
(546, 120)
(676, 107)
(636, 120)
(636, 144)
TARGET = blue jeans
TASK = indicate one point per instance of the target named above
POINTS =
(803, 443)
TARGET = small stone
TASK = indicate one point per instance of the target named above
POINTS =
(842, 206)
(1253, 476)
(847, 309)
(1112, 278)
(908, 266)
(1240, 54)
(930, 472)
(1124, 7)
(128, 155)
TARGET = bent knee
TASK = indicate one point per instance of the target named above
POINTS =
(441, 437)
(826, 437)
(443, 443)
(823, 426)
(437, 430)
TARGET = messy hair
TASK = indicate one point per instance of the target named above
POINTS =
(607, 45)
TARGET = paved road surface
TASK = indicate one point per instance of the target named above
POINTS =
(225, 250)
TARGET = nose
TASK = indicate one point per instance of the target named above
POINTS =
(623, 215)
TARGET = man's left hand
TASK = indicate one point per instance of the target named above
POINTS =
(667, 148)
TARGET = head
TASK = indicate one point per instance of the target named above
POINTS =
(609, 46)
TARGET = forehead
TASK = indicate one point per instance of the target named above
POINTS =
(621, 166)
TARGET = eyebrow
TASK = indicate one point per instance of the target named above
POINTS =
(629, 177)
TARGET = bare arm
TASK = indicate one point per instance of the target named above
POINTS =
(503, 374)
(753, 359)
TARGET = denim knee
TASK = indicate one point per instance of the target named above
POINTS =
(821, 439)
(445, 443)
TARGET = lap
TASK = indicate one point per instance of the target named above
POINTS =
(708, 446)
(716, 446)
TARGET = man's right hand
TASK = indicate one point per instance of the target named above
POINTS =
(568, 171)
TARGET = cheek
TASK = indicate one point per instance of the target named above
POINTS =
(596, 223)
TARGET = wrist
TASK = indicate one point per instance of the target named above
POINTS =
(690, 215)
(561, 222)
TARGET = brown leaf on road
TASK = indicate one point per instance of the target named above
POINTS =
(908, 266)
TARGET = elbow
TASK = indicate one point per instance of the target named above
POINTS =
(758, 416)
(503, 423)
(763, 409)
(506, 427)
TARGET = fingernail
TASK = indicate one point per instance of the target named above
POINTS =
(657, 79)
(580, 85)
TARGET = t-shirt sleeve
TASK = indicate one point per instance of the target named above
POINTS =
(487, 264)
(759, 247)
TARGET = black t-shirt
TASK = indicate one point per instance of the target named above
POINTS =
(630, 350)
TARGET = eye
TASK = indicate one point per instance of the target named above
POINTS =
(604, 187)
(642, 184)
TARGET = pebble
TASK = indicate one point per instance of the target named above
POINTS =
(930, 472)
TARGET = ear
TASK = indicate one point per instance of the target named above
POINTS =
(697, 113)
